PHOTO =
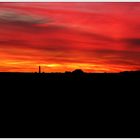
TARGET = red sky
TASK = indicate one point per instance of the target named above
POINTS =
(95, 37)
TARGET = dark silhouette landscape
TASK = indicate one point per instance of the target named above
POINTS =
(70, 105)
(77, 74)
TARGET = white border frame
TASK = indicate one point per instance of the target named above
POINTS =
(69, 0)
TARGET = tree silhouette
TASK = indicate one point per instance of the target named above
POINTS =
(78, 72)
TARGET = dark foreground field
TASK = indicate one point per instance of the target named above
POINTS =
(70, 104)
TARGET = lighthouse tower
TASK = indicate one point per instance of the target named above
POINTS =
(39, 70)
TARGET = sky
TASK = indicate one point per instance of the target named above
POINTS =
(64, 36)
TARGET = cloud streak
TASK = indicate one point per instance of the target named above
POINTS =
(11, 16)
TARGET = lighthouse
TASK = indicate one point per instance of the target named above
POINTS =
(39, 70)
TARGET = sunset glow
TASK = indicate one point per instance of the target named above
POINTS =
(94, 37)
